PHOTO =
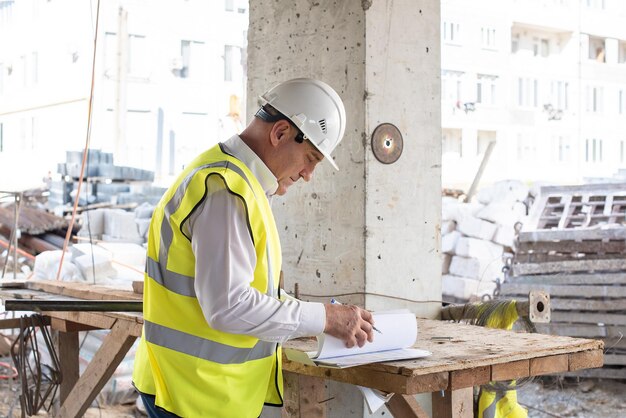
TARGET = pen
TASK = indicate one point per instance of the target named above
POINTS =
(336, 302)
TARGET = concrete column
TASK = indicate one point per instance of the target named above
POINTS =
(369, 233)
(611, 48)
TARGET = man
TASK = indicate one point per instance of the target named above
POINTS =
(214, 316)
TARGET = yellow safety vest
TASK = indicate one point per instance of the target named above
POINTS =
(191, 368)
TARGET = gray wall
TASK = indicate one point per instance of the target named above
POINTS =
(368, 234)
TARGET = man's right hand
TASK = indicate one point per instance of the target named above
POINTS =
(349, 323)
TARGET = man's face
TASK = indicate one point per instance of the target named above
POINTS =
(297, 160)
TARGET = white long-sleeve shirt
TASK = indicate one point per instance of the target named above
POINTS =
(225, 261)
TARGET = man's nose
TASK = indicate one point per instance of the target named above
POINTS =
(306, 174)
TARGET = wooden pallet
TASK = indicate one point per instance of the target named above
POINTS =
(576, 213)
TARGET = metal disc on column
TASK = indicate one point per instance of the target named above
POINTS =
(387, 143)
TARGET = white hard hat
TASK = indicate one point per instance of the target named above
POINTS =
(314, 108)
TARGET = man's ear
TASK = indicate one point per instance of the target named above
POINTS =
(279, 133)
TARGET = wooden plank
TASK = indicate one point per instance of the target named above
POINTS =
(291, 396)
(586, 246)
(587, 318)
(105, 361)
(405, 406)
(510, 371)
(14, 323)
(470, 377)
(370, 377)
(569, 266)
(574, 278)
(138, 286)
(584, 291)
(82, 290)
(547, 365)
(586, 360)
(456, 403)
(67, 347)
(463, 347)
(313, 397)
(69, 326)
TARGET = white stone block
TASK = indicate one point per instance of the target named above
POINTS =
(126, 253)
(89, 264)
(506, 190)
(477, 228)
(121, 225)
(474, 268)
(465, 288)
(447, 227)
(502, 213)
(445, 263)
(448, 242)
(453, 211)
(505, 235)
(477, 248)
(92, 223)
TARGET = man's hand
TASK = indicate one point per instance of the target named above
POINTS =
(349, 323)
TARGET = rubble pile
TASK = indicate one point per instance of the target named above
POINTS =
(477, 237)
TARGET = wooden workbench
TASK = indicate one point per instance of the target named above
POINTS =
(463, 356)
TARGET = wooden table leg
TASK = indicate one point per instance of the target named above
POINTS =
(304, 397)
(68, 357)
(99, 371)
(457, 403)
(405, 406)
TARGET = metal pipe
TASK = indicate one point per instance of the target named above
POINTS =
(35, 305)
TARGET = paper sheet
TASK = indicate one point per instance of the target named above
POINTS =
(398, 334)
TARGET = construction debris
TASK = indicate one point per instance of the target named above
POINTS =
(573, 246)
(477, 237)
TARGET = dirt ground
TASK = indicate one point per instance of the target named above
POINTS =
(586, 398)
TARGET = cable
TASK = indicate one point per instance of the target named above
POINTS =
(87, 140)
(370, 294)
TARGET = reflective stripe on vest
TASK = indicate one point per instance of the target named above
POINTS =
(203, 348)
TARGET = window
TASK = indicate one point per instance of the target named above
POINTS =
(514, 43)
(192, 59)
(621, 149)
(488, 37)
(229, 62)
(451, 142)
(593, 150)
(527, 92)
(486, 89)
(596, 4)
(229, 5)
(526, 147)
(2, 137)
(594, 99)
(620, 99)
(137, 60)
(541, 47)
(34, 68)
(596, 49)
(451, 32)
(2, 70)
(564, 150)
(621, 55)
(559, 95)
(451, 87)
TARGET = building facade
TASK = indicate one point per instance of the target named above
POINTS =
(544, 79)
(169, 80)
